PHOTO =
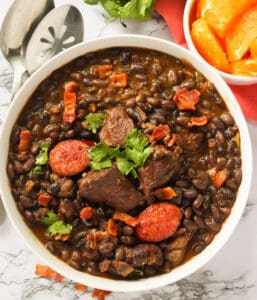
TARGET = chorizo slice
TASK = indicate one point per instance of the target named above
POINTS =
(69, 158)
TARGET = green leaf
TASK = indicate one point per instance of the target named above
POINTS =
(136, 140)
(126, 166)
(42, 157)
(102, 152)
(36, 170)
(98, 165)
(94, 121)
(91, 1)
(137, 272)
(59, 227)
(49, 218)
(138, 157)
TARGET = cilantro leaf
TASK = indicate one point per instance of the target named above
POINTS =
(102, 152)
(98, 165)
(137, 272)
(36, 170)
(59, 227)
(126, 166)
(136, 140)
(49, 218)
(94, 121)
(42, 157)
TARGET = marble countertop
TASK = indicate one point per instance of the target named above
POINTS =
(231, 274)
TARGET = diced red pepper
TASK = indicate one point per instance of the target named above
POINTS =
(69, 102)
(129, 220)
(44, 199)
(112, 227)
(198, 121)
(89, 143)
(86, 213)
(25, 139)
(219, 178)
(47, 272)
(166, 193)
(186, 99)
(119, 80)
(81, 287)
(103, 70)
(159, 133)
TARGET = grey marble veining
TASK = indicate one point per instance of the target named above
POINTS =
(231, 274)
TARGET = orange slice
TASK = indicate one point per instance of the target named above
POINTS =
(243, 34)
(221, 14)
(253, 48)
(245, 67)
(208, 45)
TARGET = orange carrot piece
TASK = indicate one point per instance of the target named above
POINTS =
(119, 80)
(129, 220)
(29, 186)
(25, 139)
(198, 121)
(86, 213)
(112, 227)
(159, 133)
(47, 272)
(69, 101)
(219, 178)
(44, 199)
(166, 193)
(81, 287)
(186, 99)
(103, 70)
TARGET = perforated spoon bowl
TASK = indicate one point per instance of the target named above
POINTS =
(61, 28)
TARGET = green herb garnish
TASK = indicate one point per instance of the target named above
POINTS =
(127, 9)
(41, 160)
(136, 272)
(55, 225)
(133, 156)
(94, 121)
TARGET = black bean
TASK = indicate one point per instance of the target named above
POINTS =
(198, 247)
(11, 170)
(127, 230)
(175, 256)
(73, 264)
(183, 121)
(29, 215)
(153, 101)
(227, 118)
(190, 193)
(188, 83)
(231, 184)
(35, 148)
(237, 173)
(218, 123)
(138, 68)
(188, 212)
(26, 201)
(52, 248)
(75, 255)
(198, 201)
(51, 128)
(65, 254)
(182, 183)
(53, 188)
(76, 76)
(199, 221)
(215, 211)
(119, 254)
(211, 224)
(105, 247)
(141, 77)
(225, 210)
(18, 167)
(125, 58)
(191, 226)
(128, 240)
(156, 86)
(173, 77)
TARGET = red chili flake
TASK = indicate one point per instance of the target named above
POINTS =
(219, 178)
(44, 199)
(186, 99)
(159, 133)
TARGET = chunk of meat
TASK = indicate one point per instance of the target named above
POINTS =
(158, 170)
(158, 222)
(67, 208)
(117, 126)
(190, 142)
(144, 254)
(110, 186)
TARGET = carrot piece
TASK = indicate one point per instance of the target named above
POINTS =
(219, 178)
(25, 139)
(29, 186)
(47, 272)
(198, 121)
(86, 213)
(119, 80)
(103, 70)
(186, 99)
(69, 101)
(112, 227)
(166, 193)
(159, 133)
(44, 199)
(129, 220)
(80, 287)
(100, 294)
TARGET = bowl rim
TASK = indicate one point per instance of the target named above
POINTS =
(37, 247)
(229, 78)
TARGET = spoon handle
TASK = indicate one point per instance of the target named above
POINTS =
(19, 71)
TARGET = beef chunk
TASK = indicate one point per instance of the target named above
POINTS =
(117, 126)
(158, 170)
(190, 142)
(67, 208)
(110, 186)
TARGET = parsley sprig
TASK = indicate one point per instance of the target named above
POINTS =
(41, 159)
(94, 121)
(55, 225)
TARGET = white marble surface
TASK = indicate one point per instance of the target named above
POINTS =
(231, 274)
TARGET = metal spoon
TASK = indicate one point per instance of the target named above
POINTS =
(61, 28)
(19, 22)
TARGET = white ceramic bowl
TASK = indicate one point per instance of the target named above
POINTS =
(229, 78)
(31, 240)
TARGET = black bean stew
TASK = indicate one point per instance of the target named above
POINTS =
(125, 163)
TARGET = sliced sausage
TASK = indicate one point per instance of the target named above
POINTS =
(69, 158)
(158, 222)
